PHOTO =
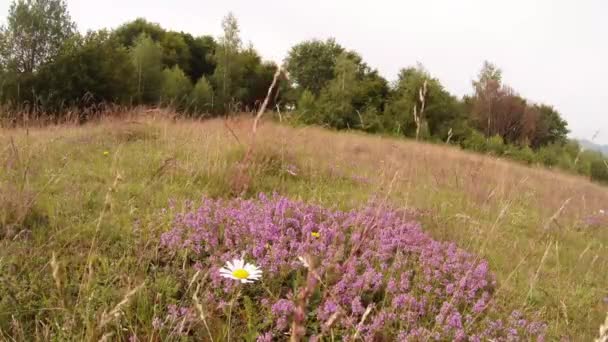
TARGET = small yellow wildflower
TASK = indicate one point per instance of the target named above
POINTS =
(106, 153)
(315, 234)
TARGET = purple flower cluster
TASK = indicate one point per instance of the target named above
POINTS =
(380, 276)
(598, 219)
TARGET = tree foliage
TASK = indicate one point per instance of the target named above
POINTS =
(147, 60)
(228, 71)
(201, 97)
(176, 88)
(442, 112)
(311, 64)
(48, 67)
(36, 30)
(98, 68)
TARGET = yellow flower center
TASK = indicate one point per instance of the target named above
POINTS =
(240, 273)
(315, 234)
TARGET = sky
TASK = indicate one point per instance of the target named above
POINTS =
(550, 51)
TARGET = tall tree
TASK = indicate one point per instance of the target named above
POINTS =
(551, 128)
(337, 97)
(94, 69)
(201, 97)
(35, 32)
(487, 88)
(146, 56)
(227, 72)
(128, 33)
(176, 51)
(255, 80)
(311, 64)
(176, 87)
(201, 53)
(442, 111)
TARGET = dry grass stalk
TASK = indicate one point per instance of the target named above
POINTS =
(553, 218)
(603, 331)
(360, 325)
(540, 266)
(56, 277)
(241, 180)
(419, 115)
(298, 328)
(199, 306)
(89, 268)
(115, 313)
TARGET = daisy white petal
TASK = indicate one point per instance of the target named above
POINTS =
(241, 271)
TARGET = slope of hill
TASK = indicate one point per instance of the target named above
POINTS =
(589, 145)
(85, 212)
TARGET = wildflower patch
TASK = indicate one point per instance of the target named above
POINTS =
(369, 273)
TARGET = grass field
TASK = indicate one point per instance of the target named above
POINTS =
(82, 209)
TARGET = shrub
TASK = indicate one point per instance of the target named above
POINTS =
(522, 154)
(599, 171)
(476, 142)
(176, 87)
(201, 97)
(307, 107)
(374, 262)
(496, 145)
(548, 155)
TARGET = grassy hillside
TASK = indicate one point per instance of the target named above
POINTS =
(82, 210)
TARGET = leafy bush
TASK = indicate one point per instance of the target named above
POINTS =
(375, 263)
(496, 145)
(201, 97)
(307, 107)
(476, 142)
(523, 154)
(176, 87)
(549, 155)
(599, 170)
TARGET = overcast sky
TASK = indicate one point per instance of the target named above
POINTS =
(551, 51)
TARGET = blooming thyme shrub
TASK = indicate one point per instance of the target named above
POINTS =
(379, 276)
(597, 219)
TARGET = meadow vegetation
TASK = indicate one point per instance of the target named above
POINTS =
(375, 211)
(49, 71)
(86, 212)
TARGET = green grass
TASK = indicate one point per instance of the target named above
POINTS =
(100, 216)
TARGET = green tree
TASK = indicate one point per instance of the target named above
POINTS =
(599, 170)
(227, 74)
(550, 129)
(201, 97)
(336, 101)
(487, 92)
(35, 32)
(256, 77)
(129, 33)
(146, 56)
(176, 52)
(442, 112)
(193, 55)
(201, 56)
(307, 107)
(311, 64)
(91, 70)
(176, 87)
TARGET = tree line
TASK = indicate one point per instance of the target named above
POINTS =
(48, 67)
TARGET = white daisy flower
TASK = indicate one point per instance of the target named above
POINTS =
(239, 270)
